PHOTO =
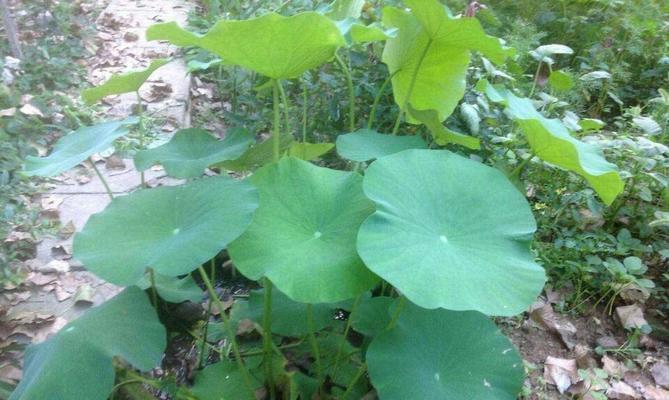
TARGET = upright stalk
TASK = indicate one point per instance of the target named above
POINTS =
(377, 100)
(401, 302)
(351, 91)
(231, 333)
(314, 344)
(341, 345)
(411, 86)
(142, 129)
(212, 272)
(154, 291)
(102, 179)
(286, 108)
(276, 128)
(305, 95)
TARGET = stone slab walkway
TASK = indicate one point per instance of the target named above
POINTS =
(58, 288)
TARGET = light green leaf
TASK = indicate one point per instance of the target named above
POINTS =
(170, 229)
(222, 381)
(428, 241)
(591, 124)
(373, 32)
(342, 9)
(430, 55)
(76, 147)
(76, 363)
(191, 151)
(552, 49)
(257, 155)
(442, 135)
(647, 125)
(365, 145)
(309, 151)
(173, 289)
(123, 83)
(471, 116)
(595, 76)
(440, 354)
(289, 318)
(371, 317)
(551, 141)
(276, 46)
(303, 235)
(561, 81)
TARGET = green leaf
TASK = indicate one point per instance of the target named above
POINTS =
(76, 147)
(309, 151)
(303, 235)
(440, 354)
(170, 229)
(342, 9)
(289, 318)
(257, 155)
(442, 135)
(123, 83)
(365, 145)
(220, 381)
(191, 151)
(371, 317)
(561, 81)
(591, 124)
(76, 363)
(373, 32)
(551, 141)
(450, 232)
(429, 57)
(173, 289)
(276, 46)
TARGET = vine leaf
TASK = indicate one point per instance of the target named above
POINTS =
(309, 151)
(173, 289)
(303, 235)
(365, 145)
(72, 149)
(190, 151)
(123, 83)
(463, 357)
(342, 9)
(169, 229)
(442, 135)
(371, 317)
(427, 240)
(276, 46)
(76, 363)
(551, 141)
(429, 57)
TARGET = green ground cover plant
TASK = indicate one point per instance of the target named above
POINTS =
(416, 232)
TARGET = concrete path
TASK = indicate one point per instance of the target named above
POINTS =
(58, 289)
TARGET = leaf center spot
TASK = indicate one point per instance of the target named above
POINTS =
(437, 377)
(176, 231)
(317, 234)
(443, 239)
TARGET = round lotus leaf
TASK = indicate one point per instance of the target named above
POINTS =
(441, 354)
(450, 232)
(303, 235)
(169, 229)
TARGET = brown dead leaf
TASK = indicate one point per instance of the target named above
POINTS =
(157, 92)
(114, 162)
(10, 373)
(16, 236)
(653, 393)
(61, 251)
(622, 391)
(84, 294)
(67, 230)
(612, 366)
(8, 112)
(31, 110)
(56, 266)
(631, 317)
(61, 294)
(561, 372)
(245, 326)
(556, 324)
(39, 279)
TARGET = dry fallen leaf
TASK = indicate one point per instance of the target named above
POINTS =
(84, 294)
(660, 372)
(561, 372)
(612, 366)
(31, 110)
(56, 266)
(8, 112)
(631, 317)
(67, 230)
(555, 323)
(622, 391)
(39, 279)
(653, 393)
